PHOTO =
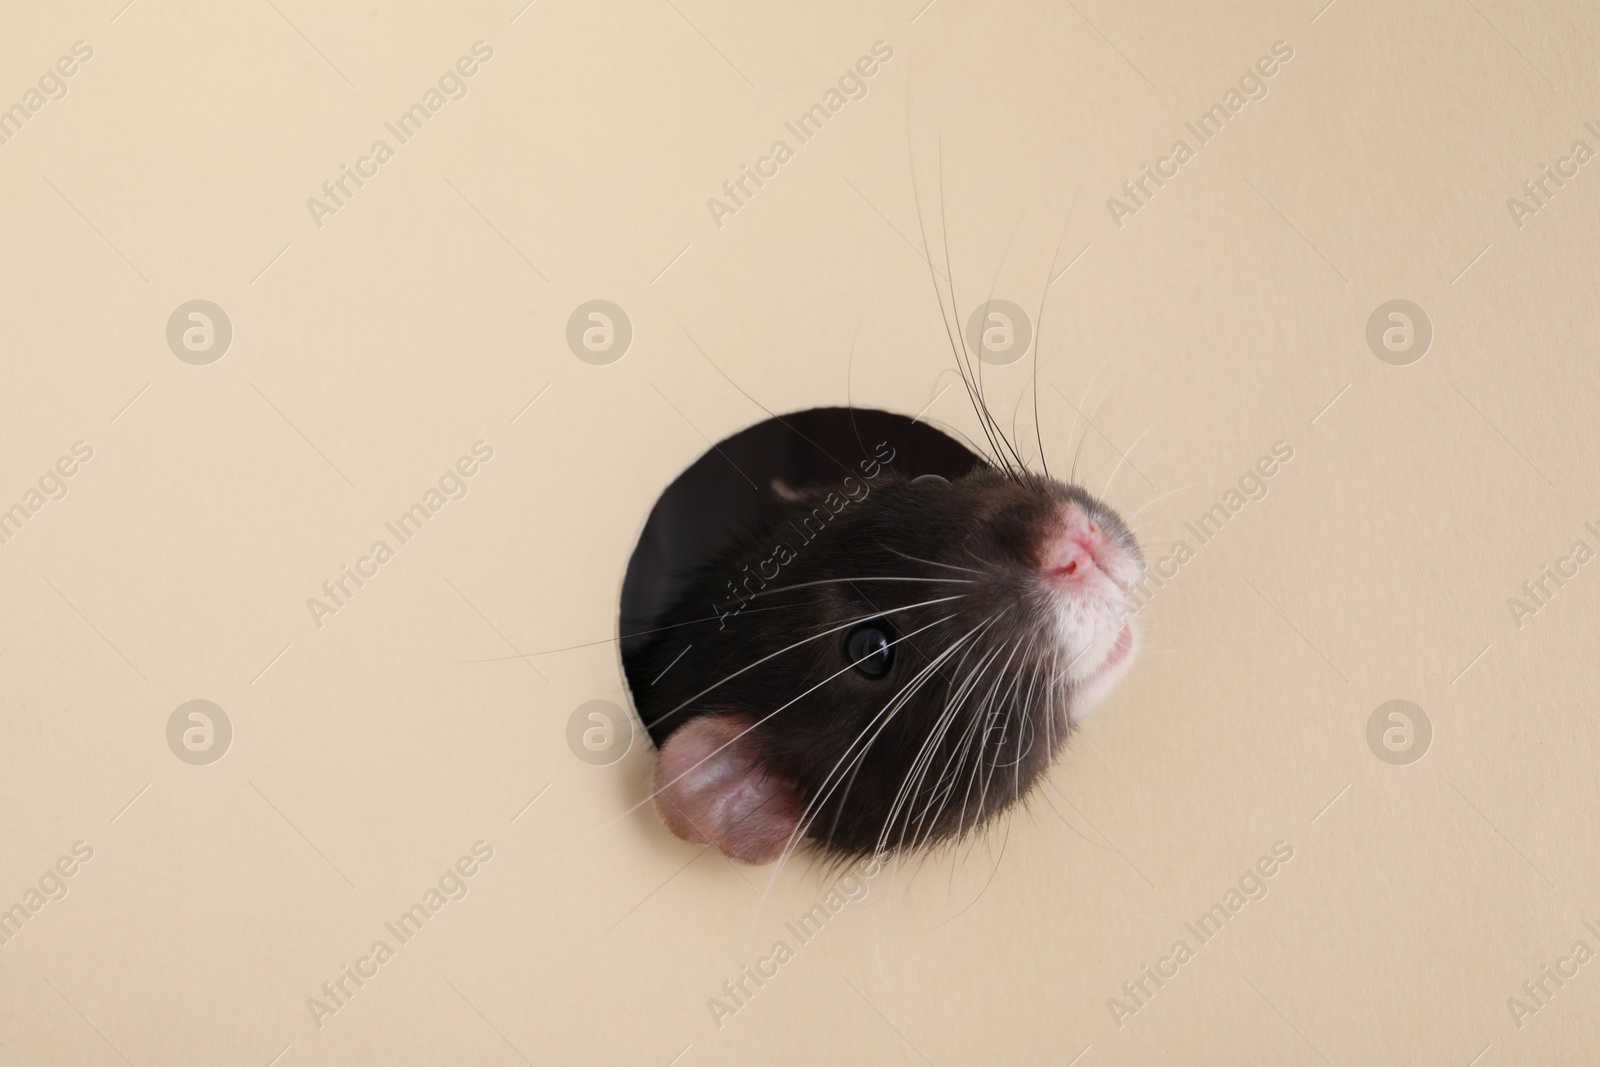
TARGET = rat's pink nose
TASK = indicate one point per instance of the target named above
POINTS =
(1077, 549)
(1070, 560)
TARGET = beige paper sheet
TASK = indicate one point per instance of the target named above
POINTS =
(242, 341)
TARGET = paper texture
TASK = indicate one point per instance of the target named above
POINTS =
(310, 414)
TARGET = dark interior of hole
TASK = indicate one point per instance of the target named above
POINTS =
(724, 491)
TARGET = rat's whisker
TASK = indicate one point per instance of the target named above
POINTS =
(992, 767)
(1077, 409)
(862, 757)
(1021, 717)
(881, 720)
(924, 757)
(611, 640)
(1038, 327)
(1135, 514)
(935, 738)
(1050, 701)
(1021, 465)
(981, 404)
(929, 562)
(836, 581)
(970, 746)
(924, 823)
(1125, 454)
(803, 641)
(1005, 839)
(742, 733)
(933, 276)
(895, 703)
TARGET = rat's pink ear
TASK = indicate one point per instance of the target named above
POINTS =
(712, 787)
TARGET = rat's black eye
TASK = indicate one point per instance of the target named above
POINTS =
(870, 649)
(928, 481)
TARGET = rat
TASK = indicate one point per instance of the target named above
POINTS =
(883, 660)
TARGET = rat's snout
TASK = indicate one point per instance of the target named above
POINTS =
(1077, 549)
(1090, 568)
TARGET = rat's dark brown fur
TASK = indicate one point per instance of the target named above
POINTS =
(974, 708)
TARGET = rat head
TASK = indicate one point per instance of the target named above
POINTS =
(897, 662)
